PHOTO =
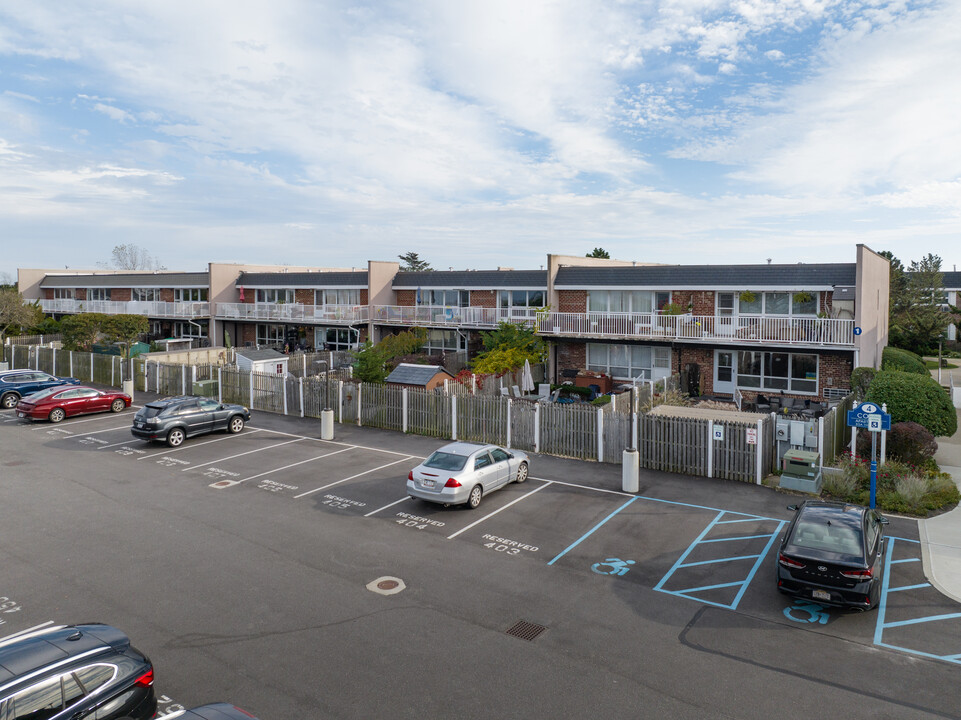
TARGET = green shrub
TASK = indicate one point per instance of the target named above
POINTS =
(861, 379)
(914, 398)
(903, 360)
(840, 485)
(911, 443)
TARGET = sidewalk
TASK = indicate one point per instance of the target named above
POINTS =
(941, 535)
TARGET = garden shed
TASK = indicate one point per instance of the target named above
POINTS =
(267, 360)
(424, 377)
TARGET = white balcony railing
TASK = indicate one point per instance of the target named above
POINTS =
(746, 329)
(439, 316)
(294, 312)
(132, 307)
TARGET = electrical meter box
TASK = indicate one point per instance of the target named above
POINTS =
(782, 429)
(801, 471)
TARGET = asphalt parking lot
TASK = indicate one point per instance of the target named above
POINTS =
(240, 564)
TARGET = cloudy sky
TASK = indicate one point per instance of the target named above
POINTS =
(478, 134)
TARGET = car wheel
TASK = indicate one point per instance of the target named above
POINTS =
(9, 400)
(176, 437)
(117, 405)
(521, 473)
(474, 499)
(236, 424)
(56, 415)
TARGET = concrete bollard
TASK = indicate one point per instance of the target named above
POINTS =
(631, 471)
(326, 424)
(127, 387)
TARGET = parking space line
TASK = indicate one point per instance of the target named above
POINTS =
(883, 606)
(701, 539)
(389, 505)
(192, 445)
(249, 452)
(98, 432)
(111, 445)
(335, 442)
(490, 515)
(742, 537)
(592, 530)
(366, 472)
(287, 467)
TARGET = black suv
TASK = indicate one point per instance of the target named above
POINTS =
(75, 671)
(177, 418)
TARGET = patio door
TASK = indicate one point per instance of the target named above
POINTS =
(724, 372)
(724, 323)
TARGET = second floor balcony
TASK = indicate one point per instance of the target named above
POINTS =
(738, 329)
(294, 312)
(152, 309)
(451, 316)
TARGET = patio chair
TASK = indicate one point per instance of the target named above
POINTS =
(762, 403)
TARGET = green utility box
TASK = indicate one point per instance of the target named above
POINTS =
(205, 388)
(801, 471)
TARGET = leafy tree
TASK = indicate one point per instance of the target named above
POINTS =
(916, 317)
(372, 363)
(411, 261)
(131, 257)
(81, 331)
(599, 253)
(369, 364)
(16, 313)
(507, 347)
(125, 329)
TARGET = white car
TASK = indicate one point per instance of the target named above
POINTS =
(463, 473)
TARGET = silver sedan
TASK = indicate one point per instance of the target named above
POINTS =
(462, 473)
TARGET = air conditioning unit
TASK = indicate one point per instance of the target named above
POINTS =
(801, 471)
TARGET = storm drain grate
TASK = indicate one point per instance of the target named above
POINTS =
(526, 630)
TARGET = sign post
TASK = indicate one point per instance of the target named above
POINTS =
(870, 417)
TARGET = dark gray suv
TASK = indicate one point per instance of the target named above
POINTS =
(177, 418)
(74, 672)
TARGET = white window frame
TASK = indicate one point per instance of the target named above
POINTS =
(63, 293)
(198, 294)
(98, 294)
(337, 296)
(601, 301)
(270, 334)
(765, 379)
(601, 357)
(145, 294)
(274, 296)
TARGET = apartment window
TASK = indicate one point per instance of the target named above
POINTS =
(642, 362)
(341, 296)
(98, 293)
(145, 294)
(196, 330)
(275, 296)
(444, 298)
(792, 372)
(626, 301)
(780, 303)
(190, 295)
(63, 294)
(336, 338)
(445, 341)
(270, 334)
(520, 298)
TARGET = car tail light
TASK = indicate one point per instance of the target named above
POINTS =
(865, 574)
(410, 476)
(451, 483)
(243, 711)
(789, 562)
(145, 680)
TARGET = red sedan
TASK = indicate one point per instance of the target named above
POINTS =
(56, 403)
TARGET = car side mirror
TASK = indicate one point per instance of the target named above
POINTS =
(883, 520)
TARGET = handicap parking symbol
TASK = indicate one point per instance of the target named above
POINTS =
(612, 566)
(809, 612)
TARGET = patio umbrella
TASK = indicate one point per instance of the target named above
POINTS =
(527, 380)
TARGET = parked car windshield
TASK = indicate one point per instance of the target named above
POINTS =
(150, 411)
(821, 535)
(40, 394)
(446, 461)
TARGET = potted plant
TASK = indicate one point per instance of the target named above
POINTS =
(747, 296)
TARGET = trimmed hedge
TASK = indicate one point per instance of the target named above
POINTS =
(914, 398)
(893, 358)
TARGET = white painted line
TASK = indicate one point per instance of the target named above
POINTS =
(97, 432)
(26, 632)
(585, 487)
(334, 442)
(249, 452)
(366, 472)
(104, 447)
(74, 421)
(490, 515)
(396, 502)
(192, 445)
(286, 467)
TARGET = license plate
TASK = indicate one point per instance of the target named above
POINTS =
(22, 415)
(820, 595)
(427, 483)
(139, 425)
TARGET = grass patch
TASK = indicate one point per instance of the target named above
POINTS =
(933, 364)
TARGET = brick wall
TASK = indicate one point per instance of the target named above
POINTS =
(834, 370)
(120, 294)
(701, 302)
(483, 298)
(48, 294)
(303, 297)
(572, 301)
(81, 293)
(571, 356)
(248, 334)
(166, 294)
(407, 298)
(364, 295)
(703, 357)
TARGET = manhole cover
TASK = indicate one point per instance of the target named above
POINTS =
(386, 585)
(221, 484)
(526, 630)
